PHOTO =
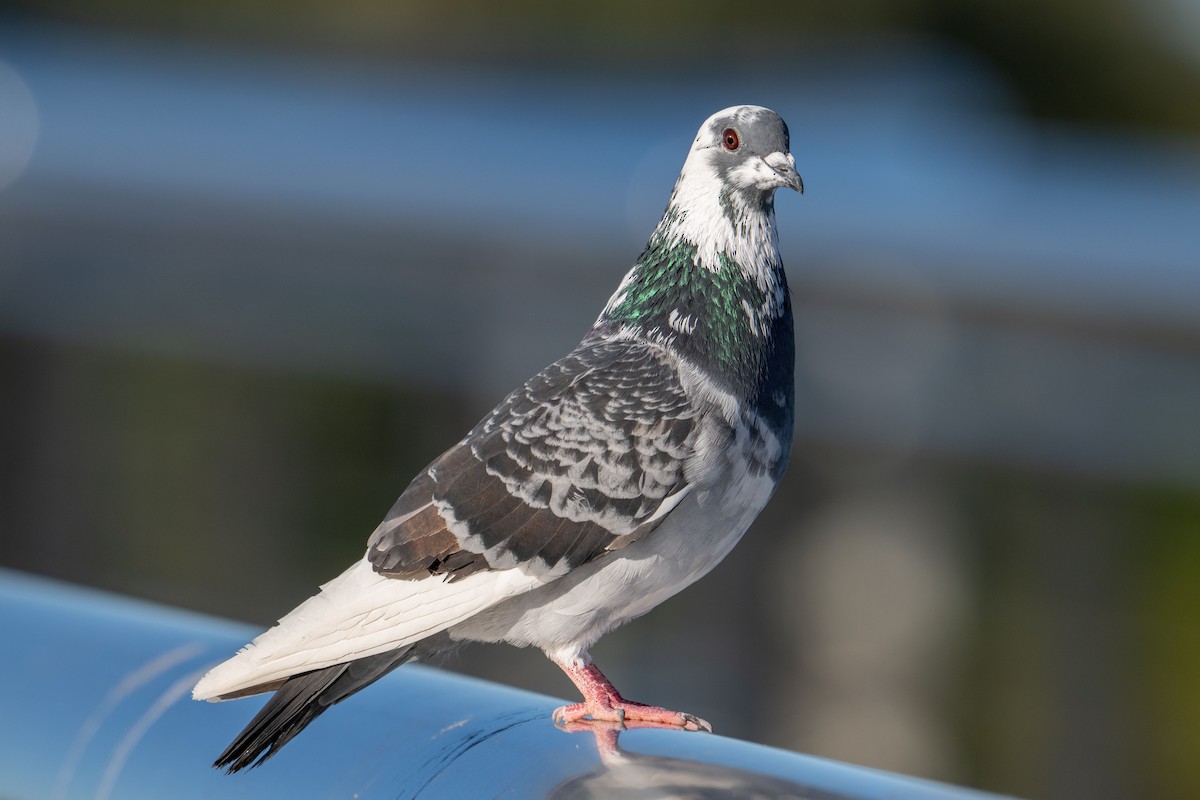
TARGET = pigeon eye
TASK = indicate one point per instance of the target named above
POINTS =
(730, 139)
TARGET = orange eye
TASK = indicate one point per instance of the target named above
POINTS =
(730, 139)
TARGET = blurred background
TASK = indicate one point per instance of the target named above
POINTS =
(262, 261)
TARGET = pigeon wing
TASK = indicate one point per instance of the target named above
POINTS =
(588, 456)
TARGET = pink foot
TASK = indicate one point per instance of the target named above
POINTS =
(628, 715)
(602, 703)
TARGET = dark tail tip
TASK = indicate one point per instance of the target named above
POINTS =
(289, 711)
(300, 700)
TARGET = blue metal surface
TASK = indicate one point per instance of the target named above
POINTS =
(97, 705)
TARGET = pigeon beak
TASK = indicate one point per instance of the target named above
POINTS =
(784, 165)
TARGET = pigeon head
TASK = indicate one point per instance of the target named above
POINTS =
(724, 201)
(746, 149)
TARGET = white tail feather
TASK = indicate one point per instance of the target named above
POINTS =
(359, 613)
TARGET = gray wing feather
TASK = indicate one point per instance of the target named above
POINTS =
(576, 462)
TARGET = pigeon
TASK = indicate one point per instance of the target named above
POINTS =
(608, 482)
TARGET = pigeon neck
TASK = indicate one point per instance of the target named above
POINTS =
(721, 221)
(692, 294)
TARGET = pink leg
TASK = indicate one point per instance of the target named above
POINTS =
(602, 702)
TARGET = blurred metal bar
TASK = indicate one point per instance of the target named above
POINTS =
(923, 177)
(967, 283)
(97, 706)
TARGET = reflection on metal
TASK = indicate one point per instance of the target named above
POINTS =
(625, 774)
(97, 706)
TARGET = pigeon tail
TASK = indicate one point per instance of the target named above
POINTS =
(299, 701)
(358, 614)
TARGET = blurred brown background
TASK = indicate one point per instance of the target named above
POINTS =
(262, 261)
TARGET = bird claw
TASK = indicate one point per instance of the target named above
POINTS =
(625, 716)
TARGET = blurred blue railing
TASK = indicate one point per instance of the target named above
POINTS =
(97, 705)
(968, 282)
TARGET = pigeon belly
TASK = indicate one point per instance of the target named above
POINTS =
(564, 618)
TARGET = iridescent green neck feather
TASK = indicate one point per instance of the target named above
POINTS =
(733, 321)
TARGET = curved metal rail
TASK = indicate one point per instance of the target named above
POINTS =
(97, 705)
